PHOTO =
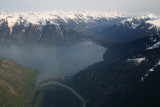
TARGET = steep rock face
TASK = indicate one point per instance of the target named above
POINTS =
(58, 35)
(22, 34)
(4, 32)
(47, 34)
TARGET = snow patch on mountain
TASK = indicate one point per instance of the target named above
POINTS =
(149, 71)
(148, 15)
(126, 20)
(137, 60)
(133, 23)
(11, 21)
(134, 26)
(151, 15)
(155, 22)
(156, 45)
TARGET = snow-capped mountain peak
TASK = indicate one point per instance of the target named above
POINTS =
(150, 18)
(55, 17)
(155, 22)
(151, 15)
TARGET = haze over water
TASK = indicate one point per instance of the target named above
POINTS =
(54, 61)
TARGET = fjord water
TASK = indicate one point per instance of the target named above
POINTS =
(54, 61)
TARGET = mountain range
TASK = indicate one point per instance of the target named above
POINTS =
(67, 27)
(133, 28)
(59, 26)
(129, 74)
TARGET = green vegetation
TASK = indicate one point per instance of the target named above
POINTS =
(17, 84)
(18, 89)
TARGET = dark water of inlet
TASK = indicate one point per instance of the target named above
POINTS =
(54, 61)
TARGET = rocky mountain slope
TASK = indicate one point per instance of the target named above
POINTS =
(49, 34)
(53, 27)
(128, 76)
(133, 28)
(131, 81)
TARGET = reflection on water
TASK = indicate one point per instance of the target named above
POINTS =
(54, 61)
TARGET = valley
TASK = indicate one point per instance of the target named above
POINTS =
(84, 59)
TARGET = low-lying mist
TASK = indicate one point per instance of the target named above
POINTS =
(54, 61)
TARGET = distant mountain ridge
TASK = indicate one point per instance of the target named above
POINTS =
(53, 27)
(69, 19)
(58, 27)
(134, 28)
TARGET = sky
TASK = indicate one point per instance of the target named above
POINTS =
(128, 6)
